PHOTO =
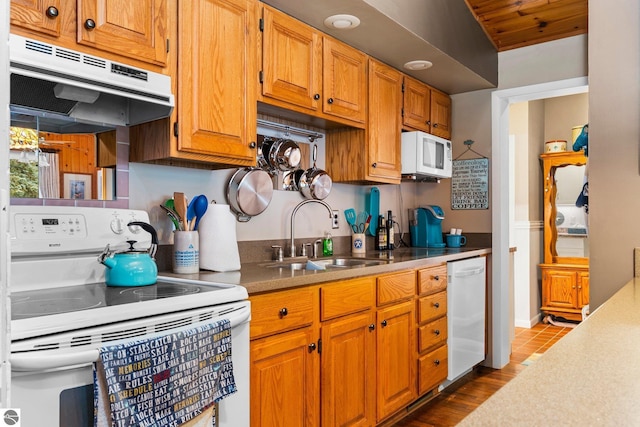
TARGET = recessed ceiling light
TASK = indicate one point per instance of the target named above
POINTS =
(418, 65)
(342, 22)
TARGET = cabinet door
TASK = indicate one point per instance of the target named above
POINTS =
(384, 122)
(395, 358)
(344, 81)
(136, 29)
(217, 80)
(416, 105)
(559, 289)
(284, 380)
(440, 114)
(348, 371)
(37, 15)
(583, 288)
(291, 60)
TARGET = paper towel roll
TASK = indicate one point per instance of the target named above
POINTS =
(218, 244)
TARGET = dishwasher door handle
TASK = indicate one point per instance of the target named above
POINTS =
(69, 358)
(469, 272)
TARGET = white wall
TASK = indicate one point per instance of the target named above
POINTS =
(150, 185)
(614, 144)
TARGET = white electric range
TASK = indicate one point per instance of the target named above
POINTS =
(62, 311)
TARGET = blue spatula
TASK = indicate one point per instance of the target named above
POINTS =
(350, 215)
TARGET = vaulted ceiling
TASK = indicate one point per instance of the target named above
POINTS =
(510, 24)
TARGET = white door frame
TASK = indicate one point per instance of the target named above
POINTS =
(500, 351)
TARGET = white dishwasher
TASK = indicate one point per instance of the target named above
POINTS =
(465, 314)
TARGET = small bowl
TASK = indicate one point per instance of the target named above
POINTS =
(555, 146)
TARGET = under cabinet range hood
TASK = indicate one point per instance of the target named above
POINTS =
(72, 92)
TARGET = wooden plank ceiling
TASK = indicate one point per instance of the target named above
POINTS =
(510, 24)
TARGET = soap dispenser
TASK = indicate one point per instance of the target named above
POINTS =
(327, 245)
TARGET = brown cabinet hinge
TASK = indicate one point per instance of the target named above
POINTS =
(261, 25)
(167, 45)
(320, 346)
(175, 129)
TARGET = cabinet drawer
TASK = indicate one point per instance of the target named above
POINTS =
(283, 310)
(432, 334)
(350, 296)
(432, 307)
(432, 279)
(396, 287)
(432, 369)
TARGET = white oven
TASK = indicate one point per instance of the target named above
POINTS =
(62, 313)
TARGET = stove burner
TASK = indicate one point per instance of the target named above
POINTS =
(162, 290)
(30, 307)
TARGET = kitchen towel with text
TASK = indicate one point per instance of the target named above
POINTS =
(165, 379)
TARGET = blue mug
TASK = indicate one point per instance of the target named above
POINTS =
(456, 240)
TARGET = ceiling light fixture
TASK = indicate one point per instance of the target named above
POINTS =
(418, 65)
(342, 22)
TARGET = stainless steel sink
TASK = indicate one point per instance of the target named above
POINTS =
(323, 264)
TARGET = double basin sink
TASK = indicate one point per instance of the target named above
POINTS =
(323, 264)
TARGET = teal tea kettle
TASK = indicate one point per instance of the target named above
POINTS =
(132, 267)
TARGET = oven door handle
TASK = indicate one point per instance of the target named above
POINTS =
(46, 360)
(52, 359)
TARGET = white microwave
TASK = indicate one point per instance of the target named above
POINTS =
(424, 154)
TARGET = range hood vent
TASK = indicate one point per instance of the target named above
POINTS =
(72, 92)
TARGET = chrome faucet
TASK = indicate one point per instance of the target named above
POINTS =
(293, 220)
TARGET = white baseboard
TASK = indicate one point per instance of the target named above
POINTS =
(523, 323)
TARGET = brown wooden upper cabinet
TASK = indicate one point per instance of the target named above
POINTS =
(306, 71)
(36, 15)
(371, 154)
(214, 122)
(426, 109)
(134, 29)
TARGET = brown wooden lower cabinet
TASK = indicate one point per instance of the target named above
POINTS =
(347, 353)
(284, 380)
(565, 290)
(432, 369)
(348, 371)
(395, 358)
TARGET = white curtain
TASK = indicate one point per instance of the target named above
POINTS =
(50, 177)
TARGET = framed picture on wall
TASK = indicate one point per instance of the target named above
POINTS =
(77, 186)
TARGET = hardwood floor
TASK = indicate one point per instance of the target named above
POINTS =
(466, 394)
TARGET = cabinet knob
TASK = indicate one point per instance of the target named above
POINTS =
(435, 125)
(372, 327)
(312, 347)
(436, 305)
(316, 96)
(284, 312)
(436, 362)
(89, 24)
(252, 144)
(436, 277)
(330, 100)
(52, 12)
(383, 323)
(374, 165)
(429, 122)
(437, 332)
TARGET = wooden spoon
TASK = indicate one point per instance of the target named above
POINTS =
(180, 202)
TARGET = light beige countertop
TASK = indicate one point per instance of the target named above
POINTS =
(257, 277)
(590, 377)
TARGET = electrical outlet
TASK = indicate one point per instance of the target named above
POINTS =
(334, 220)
